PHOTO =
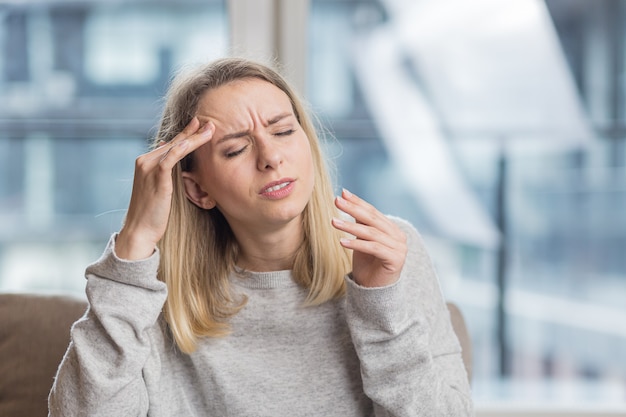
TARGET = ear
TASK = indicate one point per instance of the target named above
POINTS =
(195, 193)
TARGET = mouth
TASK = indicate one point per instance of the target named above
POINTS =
(278, 189)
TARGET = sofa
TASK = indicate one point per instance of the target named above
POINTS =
(34, 335)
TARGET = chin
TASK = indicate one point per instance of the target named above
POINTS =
(287, 214)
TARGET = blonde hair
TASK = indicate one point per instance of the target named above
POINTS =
(199, 250)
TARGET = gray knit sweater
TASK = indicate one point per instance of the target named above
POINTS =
(387, 351)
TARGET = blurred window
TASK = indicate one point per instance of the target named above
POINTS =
(497, 128)
(81, 84)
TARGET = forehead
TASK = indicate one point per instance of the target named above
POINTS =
(245, 96)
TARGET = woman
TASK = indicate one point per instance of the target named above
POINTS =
(234, 287)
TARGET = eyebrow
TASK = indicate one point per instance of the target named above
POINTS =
(243, 133)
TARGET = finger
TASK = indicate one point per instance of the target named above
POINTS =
(385, 247)
(390, 252)
(362, 211)
(175, 151)
(167, 151)
(392, 239)
(391, 258)
(192, 127)
(187, 131)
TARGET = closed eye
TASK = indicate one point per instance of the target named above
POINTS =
(235, 153)
(285, 132)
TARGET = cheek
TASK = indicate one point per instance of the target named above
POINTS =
(229, 179)
(308, 154)
(309, 164)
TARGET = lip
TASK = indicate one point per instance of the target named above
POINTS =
(277, 194)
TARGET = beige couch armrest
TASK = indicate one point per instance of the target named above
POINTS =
(34, 335)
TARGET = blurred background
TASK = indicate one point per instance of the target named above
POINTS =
(497, 128)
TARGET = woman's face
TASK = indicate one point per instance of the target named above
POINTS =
(257, 169)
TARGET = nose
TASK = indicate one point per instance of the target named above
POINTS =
(269, 154)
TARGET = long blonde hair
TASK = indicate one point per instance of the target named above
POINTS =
(199, 250)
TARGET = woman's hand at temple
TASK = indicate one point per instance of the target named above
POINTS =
(151, 198)
(379, 247)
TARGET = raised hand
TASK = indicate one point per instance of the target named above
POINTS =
(151, 198)
(379, 247)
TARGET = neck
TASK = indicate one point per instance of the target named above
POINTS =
(273, 250)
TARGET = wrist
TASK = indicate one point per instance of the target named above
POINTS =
(129, 247)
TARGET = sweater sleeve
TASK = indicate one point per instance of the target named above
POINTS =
(410, 357)
(101, 372)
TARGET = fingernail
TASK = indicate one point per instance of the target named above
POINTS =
(338, 221)
(344, 241)
(347, 193)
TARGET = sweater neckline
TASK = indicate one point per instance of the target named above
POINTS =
(263, 280)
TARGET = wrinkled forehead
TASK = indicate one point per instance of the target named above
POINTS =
(242, 100)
